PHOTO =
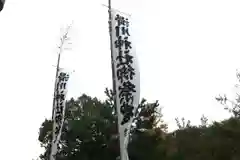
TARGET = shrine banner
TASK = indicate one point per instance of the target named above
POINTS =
(127, 76)
(59, 110)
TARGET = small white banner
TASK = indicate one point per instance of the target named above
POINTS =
(59, 110)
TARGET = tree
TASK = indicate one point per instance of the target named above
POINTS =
(149, 132)
(183, 124)
(90, 133)
(233, 106)
(90, 129)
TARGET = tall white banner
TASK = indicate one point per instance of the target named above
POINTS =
(59, 110)
(127, 76)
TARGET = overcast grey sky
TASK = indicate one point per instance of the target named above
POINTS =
(188, 53)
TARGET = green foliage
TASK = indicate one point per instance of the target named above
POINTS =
(90, 133)
(233, 106)
(90, 129)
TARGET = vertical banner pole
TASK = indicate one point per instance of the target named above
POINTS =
(112, 63)
(54, 98)
(63, 39)
(112, 59)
